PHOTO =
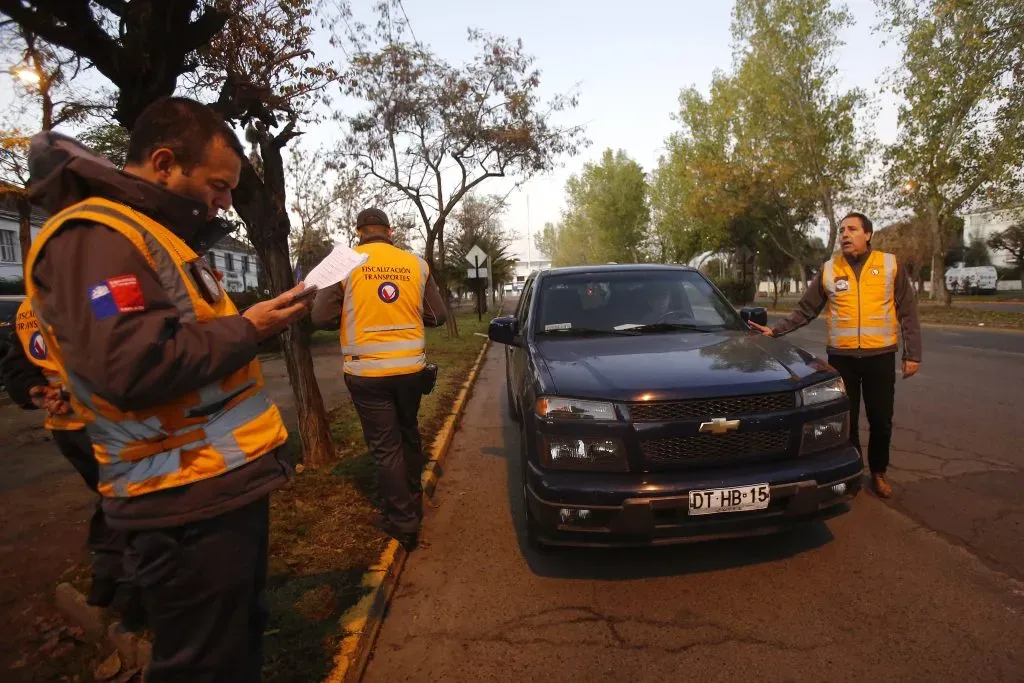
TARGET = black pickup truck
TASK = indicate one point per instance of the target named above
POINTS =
(651, 414)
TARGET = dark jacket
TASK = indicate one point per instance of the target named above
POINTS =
(140, 359)
(19, 373)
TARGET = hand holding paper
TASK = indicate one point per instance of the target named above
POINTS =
(339, 263)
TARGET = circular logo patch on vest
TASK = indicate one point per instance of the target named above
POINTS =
(37, 346)
(874, 271)
(388, 292)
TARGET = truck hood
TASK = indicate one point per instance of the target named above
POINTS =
(674, 365)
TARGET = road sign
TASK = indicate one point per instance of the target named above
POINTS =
(474, 273)
(476, 256)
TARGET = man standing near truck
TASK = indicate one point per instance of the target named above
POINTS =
(869, 300)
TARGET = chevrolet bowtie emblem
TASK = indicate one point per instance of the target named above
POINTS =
(719, 426)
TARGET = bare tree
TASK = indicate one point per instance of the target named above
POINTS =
(430, 132)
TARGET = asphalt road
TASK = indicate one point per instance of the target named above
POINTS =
(923, 588)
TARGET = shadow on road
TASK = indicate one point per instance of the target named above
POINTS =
(621, 564)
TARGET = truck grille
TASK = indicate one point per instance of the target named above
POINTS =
(700, 409)
(714, 449)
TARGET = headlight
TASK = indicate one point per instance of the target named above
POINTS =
(567, 453)
(572, 409)
(824, 392)
(828, 432)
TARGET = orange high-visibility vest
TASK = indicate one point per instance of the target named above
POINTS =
(382, 314)
(202, 434)
(38, 352)
(861, 312)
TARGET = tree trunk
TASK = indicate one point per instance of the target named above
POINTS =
(939, 291)
(24, 225)
(262, 208)
(828, 206)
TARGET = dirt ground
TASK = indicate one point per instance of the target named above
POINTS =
(44, 508)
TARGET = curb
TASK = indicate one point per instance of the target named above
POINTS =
(938, 326)
(362, 621)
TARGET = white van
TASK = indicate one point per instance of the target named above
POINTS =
(973, 280)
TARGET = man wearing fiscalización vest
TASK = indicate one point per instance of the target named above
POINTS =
(33, 381)
(162, 370)
(381, 309)
(868, 300)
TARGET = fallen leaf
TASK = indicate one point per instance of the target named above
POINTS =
(127, 675)
(62, 650)
(109, 668)
(300, 468)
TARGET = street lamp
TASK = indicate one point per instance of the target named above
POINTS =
(27, 74)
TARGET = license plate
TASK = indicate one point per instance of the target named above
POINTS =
(733, 499)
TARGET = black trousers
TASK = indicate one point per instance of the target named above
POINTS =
(388, 409)
(202, 587)
(874, 378)
(106, 545)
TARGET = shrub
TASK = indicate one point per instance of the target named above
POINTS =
(738, 293)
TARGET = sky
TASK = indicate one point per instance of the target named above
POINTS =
(627, 61)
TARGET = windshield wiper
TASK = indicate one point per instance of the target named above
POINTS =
(670, 327)
(586, 332)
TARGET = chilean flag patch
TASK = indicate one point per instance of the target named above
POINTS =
(121, 294)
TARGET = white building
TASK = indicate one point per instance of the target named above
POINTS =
(11, 267)
(238, 263)
(986, 223)
(528, 259)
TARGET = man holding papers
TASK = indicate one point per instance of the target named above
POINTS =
(381, 308)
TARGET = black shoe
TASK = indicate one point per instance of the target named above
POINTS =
(101, 592)
(408, 540)
(128, 605)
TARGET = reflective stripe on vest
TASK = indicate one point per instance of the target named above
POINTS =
(37, 350)
(382, 314)
(202, 434)
(861, 311)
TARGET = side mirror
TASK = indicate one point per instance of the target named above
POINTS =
(504, 330)
(754, 314)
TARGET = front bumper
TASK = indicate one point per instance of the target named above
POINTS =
(652, 509)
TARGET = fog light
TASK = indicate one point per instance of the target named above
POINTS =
(570, 516)
(839, 489)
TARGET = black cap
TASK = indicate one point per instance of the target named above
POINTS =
(372, 217)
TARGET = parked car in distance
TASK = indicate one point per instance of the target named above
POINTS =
(650, 413)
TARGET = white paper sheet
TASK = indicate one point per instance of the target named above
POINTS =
(339, 263)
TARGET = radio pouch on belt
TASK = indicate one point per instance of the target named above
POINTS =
(428, 378)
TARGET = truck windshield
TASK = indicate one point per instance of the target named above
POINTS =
(660, 300)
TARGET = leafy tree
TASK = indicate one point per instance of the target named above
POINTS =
(260, 73)
(804, 125)
(607, 218)
(324, 199)
(430, 132)
(975, 253)
(911, 243)
(961, 123)
(477, 221)
(109, 139)
(1011, 241)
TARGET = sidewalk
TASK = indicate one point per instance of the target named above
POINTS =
(326, 365)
